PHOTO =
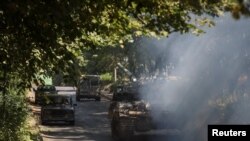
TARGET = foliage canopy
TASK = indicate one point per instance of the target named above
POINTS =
(46, 36)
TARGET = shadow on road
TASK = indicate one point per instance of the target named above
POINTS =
(100, 135)
(77, 133)
(92, 124)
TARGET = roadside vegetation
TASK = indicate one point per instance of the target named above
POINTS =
(17, 122)
(72, 38)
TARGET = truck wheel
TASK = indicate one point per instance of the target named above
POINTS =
(36, 101)
(43, 122)
(78, 99)
(121, 131)
(72, 122)
(98, 99)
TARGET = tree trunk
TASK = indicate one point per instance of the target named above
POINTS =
(4, 92)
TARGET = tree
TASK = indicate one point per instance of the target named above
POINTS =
(46, 36)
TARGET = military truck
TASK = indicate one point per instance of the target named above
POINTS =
(58, 108)
(43, 90)
(88, 87)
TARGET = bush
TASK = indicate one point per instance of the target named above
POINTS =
(14, 111)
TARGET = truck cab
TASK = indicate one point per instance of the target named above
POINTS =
(88, 87)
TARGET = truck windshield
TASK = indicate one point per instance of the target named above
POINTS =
(57, 100)
(46, 88)
(90, 81)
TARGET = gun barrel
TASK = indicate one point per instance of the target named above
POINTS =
(133, 78)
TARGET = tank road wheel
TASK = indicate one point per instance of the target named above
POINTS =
(122, 130)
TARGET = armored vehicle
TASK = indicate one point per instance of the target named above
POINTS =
(43, 90)
(129, 114)
(88, 87)
(58, 108)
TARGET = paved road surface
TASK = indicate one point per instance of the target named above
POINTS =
(92, 124)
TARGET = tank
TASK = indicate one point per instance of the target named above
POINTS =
(129, 113)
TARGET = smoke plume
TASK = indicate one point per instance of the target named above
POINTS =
(211, 72)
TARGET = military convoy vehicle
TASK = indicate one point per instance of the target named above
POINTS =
(130, 113)
(43, 90)
(127, 112)
(58, 108)
(88, 87)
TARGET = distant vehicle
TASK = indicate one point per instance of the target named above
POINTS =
(88, 87)
(58, 108)
(43, 90)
